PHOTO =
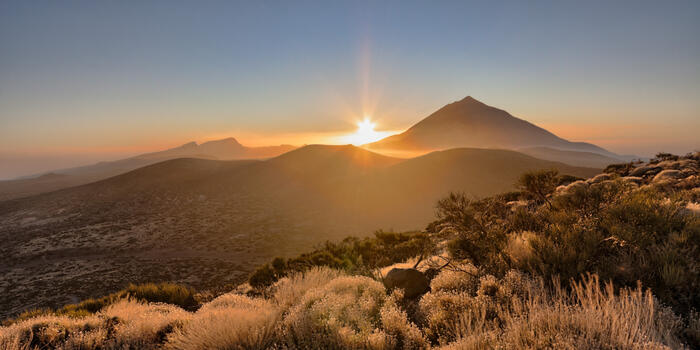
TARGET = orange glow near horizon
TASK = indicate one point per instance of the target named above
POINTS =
(364, 134)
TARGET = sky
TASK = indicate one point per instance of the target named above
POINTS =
(82, 81)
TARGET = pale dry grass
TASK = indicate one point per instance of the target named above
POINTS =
(125, 324)
(229, 322)
(328, 309)
(343, 313)
(462, 277)
(288, 290)
(591, 316)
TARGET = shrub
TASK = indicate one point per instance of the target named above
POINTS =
(229, 322)
(345, 313)
(540, 184)
(622, 169)
(353, 255)
(168, 293)
(290, 289)
(126, 324)
(476, 228)
(591, 316)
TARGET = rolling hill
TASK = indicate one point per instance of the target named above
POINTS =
(225, 149)
(586, 159)
(471, 123)
(209, 222)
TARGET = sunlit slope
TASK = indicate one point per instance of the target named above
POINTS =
(208, 222)
(403, 196)
(586, 159)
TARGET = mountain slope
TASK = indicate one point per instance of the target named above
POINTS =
(208, 222)
(225, 149)
(471, 123)
(586, 159)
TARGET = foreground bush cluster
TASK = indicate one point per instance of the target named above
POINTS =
(167, 293)
(611, 262)
(326, 308)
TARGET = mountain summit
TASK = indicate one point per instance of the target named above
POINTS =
(472, 123)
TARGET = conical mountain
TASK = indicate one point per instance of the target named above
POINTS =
(471, 123)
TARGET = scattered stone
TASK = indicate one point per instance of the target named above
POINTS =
(677, 164)
(599, 178)
(643, 170)
(413, 282)
(670, 174)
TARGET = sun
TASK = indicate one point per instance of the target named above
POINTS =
(365, 133)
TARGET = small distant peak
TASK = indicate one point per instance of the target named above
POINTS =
(469, 100)
(189, 144)
(228, 140)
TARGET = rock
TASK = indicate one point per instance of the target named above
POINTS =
(413, 282)
(693, 208)
(645, 170)
(572, 186)
(690, 182)
(515, 205)
(599, 178)
(670, 174)
(677, 164)
(632, 179)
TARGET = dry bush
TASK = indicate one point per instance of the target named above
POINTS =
(462, 277)
(326, 309)
(402, 334)
(289, 290)
(125, 324)
(49, 332)
(591, 316)
(519, 249)
(345, 313)
(229, 322)
(468, 305)
(143, 325)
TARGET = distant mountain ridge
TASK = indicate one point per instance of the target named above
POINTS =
(224, 149)
(471, 123)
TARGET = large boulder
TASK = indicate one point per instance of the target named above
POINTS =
(413, 282)
(670, 174)
(643, 170)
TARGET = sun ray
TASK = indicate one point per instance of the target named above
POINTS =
(365, 133)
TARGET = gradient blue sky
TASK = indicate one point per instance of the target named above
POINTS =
(81, 81)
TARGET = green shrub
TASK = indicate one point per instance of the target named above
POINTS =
(539, 184)
(476, 228)
(354, 255)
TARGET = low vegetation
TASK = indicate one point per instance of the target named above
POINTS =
(354, 255)
(167, 293)
(609, 262)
